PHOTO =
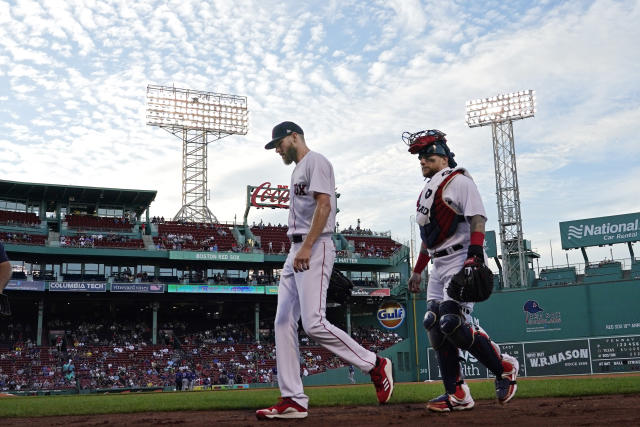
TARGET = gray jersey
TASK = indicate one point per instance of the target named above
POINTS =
(313, 174)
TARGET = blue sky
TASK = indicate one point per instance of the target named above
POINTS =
(354, 75)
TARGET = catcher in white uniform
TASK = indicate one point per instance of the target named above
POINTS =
(451, 218)
(302, 291)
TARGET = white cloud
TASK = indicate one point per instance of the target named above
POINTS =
(355, 75)
(345, 75)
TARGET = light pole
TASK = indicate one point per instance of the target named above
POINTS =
(500, 111)
(196, 117)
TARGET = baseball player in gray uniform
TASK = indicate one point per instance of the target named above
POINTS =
(451, 218)
(302, 291)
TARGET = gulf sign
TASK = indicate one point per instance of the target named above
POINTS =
(391, 314)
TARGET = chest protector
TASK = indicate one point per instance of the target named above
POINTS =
(443, 220)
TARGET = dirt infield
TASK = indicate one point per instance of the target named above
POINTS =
(583, 411)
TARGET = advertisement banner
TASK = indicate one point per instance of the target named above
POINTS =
(145, 288)
(216, 256)
(604, 230)
(515, 350)
(470, 366)
(346, 260)
(265, 196)
(391, 314)
(24, 285)
(216, 289)
(359, 291)
(537, 319)
(490, 246)
(557, 358)
(271, 290)
(617, 354)
(77, 287)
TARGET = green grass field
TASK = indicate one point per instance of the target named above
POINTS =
(320, 396)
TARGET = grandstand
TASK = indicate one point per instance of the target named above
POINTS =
(272, 238)
(164, 294)
(195, 237)
(85, 257)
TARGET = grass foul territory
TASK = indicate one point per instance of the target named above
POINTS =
(355, 395)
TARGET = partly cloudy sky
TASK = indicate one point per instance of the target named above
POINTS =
(355, 75)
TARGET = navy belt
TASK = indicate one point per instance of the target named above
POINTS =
(448, 251)
(297, 238)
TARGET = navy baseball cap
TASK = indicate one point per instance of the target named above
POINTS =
(282, 130)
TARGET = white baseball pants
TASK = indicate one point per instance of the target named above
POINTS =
(303, 295)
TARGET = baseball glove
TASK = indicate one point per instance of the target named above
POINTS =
(5, 308)
(340, 287)
(473, 283)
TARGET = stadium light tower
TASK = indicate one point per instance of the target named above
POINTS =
(197, 118)
(500, 111)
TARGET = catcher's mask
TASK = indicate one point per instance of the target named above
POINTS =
(428, 142)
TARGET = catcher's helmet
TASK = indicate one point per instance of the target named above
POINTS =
(428, 142)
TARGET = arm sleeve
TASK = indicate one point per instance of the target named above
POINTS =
(321, 178)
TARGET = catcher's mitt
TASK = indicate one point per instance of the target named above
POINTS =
(5, 308)
(474, 283)
(339, 287)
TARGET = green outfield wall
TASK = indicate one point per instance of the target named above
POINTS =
(586, 310)
(580, 329)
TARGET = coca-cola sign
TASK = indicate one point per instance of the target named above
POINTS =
(264, 196)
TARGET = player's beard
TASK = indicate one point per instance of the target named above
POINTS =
(290, 154)
(428, 173)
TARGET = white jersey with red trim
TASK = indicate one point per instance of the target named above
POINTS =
(313, 174)
(461, 194)
(302, 295)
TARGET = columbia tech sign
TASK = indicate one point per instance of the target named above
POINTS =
(604, 230)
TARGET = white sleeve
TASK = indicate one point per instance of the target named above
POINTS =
(463, 195)
(321, 175)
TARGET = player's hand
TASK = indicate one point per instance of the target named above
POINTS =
(414, 282)
(302, 259)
